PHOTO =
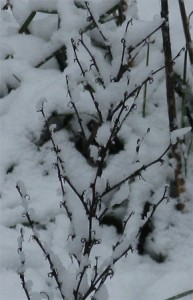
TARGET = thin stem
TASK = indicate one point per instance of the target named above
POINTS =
(185, 22)
(145, 87)
(75, 108)
(25, 25)
(185, 92)
(93, 60)
(88, 86)
(136, 173)
(54, 272)
(50, 56)
(131, 48)
(182, 295)
(99, 29)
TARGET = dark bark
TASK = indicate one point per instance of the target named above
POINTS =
(168, 67)
(185, 23)
(178, 184)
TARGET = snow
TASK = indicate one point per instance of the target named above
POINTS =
(30, 167)
(179, 133)
(42, 4)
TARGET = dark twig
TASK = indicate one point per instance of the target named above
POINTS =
(75, 108)
(94, 21)
(24, 27)
(172, 62)
(76, 192)
(131, 59)
(131, 48)
(75, 49)
(186, 27)
(54, 272)
(181, 295)
(139, 143)
(59, 163)
(137, 89)
(128, 218)
(22, 261)
(91, 18)
(82, 273)
(104, 18)
(137, 172)
(96, 105)
(108, 272)
(87, 86)
(123, 67)
(190, 15)
(61, 171)
(93, 60)
(154, 207)
(56, 53)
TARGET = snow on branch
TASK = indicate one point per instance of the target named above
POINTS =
(112, 89)
(54, 270)
(179, 133)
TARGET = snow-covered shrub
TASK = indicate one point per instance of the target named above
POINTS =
(100, 146)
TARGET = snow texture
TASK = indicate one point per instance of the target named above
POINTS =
(26, 89)
(178, 133)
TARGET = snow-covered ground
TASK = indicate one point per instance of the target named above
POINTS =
(136, 277)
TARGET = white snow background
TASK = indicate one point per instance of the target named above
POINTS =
(136, 277)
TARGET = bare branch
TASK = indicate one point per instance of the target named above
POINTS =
(137, 172)
(53, 273)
